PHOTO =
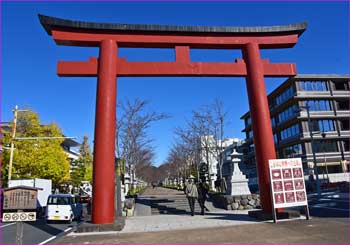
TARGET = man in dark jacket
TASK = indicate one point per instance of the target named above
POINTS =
(203, 190)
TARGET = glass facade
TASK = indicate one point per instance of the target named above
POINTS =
(287, 113)
(289, 132)
(341, 85)
(325, 146)
(250, 134)
(345, 124)
(292, 151)
(289, 92)
(346, 145)
(248, 121)
(273, 122)
(319, 105)
(322, 125)
(314, 85)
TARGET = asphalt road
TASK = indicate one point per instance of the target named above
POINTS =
(38, 232)
(330, 205)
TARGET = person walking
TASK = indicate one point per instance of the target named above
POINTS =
(203, 190)
(191, 193)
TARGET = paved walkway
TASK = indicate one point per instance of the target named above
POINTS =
(314, 231)
(183, 222)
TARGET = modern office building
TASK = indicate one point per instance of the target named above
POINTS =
(304, 104)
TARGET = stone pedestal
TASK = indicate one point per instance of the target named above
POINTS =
(87, 226)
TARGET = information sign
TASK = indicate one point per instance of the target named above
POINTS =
(20, 197)
(287, 183)
(19, 216)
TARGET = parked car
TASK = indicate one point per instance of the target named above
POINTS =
(64, 207)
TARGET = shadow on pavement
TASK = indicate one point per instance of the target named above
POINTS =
(228, 216)
(48, 228)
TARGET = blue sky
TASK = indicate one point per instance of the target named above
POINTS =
(29, 58)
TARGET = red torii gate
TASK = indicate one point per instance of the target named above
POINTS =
(108, 66)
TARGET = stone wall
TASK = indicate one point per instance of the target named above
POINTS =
(236, 202)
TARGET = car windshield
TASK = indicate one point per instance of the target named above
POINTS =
(59, 200)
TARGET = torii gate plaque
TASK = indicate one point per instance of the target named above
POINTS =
(108, 66)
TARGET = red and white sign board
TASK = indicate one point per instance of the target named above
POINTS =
(287, 183)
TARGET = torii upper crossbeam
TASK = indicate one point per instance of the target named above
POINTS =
(108, 37)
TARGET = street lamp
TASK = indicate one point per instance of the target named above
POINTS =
(307, 107)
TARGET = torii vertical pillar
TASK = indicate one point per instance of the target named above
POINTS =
(261, 123)
(105, 126)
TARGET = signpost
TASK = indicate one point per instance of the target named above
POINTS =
(287, 184)
(20, 203)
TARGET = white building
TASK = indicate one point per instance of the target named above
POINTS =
(211, 150)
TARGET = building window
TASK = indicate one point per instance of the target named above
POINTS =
(292, 151)
(319, 105)
(314, 86)
(345, 124)
(289, 132)
(285, 95)
(343, 105)
(287, 113)
(273, 122)
(275, 138)
(325, 146)
(341, 85)
(346, 145)
(248, 121)
(250, 134)
(322, 125)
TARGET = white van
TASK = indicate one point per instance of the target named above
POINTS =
(64, 207)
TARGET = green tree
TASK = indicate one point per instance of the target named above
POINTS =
(82, 169)
(35, 158)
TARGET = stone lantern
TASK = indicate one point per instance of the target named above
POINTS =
(239, 182)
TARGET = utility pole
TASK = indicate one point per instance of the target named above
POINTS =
(12, 148)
